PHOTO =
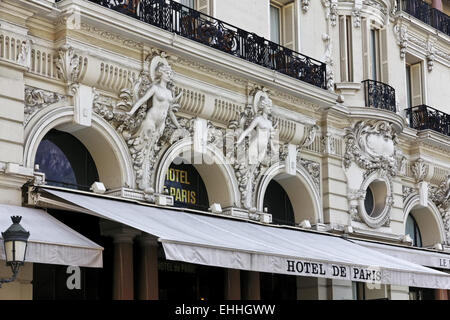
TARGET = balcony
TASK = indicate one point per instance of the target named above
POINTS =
(174, 17)
(424, 12)
(379, 95)
(424, 117)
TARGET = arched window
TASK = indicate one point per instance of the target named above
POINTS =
(412, 229)
(278, 204)
(185, 185)
(65, 161)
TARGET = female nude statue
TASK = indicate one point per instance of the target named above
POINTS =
(161, 105)
(260, 130)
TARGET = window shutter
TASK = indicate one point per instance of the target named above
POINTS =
(416, 85)
(384, 56)
(289, 26)
(365, 48)
(343, 48)
(203, 6)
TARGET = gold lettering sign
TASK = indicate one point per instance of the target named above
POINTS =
(179, 192)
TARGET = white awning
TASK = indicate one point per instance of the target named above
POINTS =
(51, 241)
(237, 244)
(420, 256)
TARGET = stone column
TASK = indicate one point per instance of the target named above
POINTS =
(232, 284)
(251, 289)
(437, 4)
(148, 269)
(123, 281)
(440, 294)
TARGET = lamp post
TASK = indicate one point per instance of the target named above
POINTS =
(15, 240)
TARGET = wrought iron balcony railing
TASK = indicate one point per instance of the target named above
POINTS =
(424, 117)
(424, 12)
(379, 95)
(174, 17)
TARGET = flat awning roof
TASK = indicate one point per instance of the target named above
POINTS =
(237, 244)
(50, 240)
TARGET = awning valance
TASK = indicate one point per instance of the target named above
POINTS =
(50, 240)
(420, 256)
(237, 244)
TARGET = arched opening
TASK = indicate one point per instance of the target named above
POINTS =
(421, 225)
(65, 161)
(424, 226)
(277, 202)
(297, 197)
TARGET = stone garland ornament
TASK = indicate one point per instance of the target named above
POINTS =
(356, 13)
(305, 5)
(331, 7)
(401, 34)
(441, 197)
(145, 116)
(327, 58)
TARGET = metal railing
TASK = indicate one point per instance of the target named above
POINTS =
(424, 12)
(174, 17)
(379, 95)
(424, 117)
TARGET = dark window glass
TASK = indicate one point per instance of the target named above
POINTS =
(412, 228)
(278, 286)
(185, 184)
(369, 202)
(278, 204)
(65, 161)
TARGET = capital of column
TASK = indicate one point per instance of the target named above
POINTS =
(148, 240)
(119, 232)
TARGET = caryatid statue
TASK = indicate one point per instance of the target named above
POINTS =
(260, 129)
(160, 102)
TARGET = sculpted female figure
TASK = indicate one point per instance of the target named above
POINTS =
(161, 104)
(260, 129)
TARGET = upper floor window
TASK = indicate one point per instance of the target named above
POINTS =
(346, 48)
(204, 6)
(283, 30)
(275, 24)
(414, 86)
(412, 229)
(375, 54)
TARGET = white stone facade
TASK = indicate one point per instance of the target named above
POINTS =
(80, 67)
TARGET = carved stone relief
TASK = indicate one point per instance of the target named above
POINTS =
(68, 64)
(331, 7)
(370, 157)
(441, 197)
(37, 99)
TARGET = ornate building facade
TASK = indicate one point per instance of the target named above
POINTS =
(227, 149)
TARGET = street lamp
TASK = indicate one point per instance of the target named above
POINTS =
(15, 240)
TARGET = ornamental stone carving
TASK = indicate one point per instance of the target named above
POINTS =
(37, 99)
(356, 13)
(327, 58)
(24, 55)
(257, 124)
(441, 197)
(145, 116)
(305, 5)
(370, 161)
(331, 7)
(371, 145)
(68, 64)
(401, 34)
(420, 170)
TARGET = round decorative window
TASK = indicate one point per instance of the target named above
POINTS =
(374, 207)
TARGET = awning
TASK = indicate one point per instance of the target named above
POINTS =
(420, 256)
(238, 244)
(51, 241)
